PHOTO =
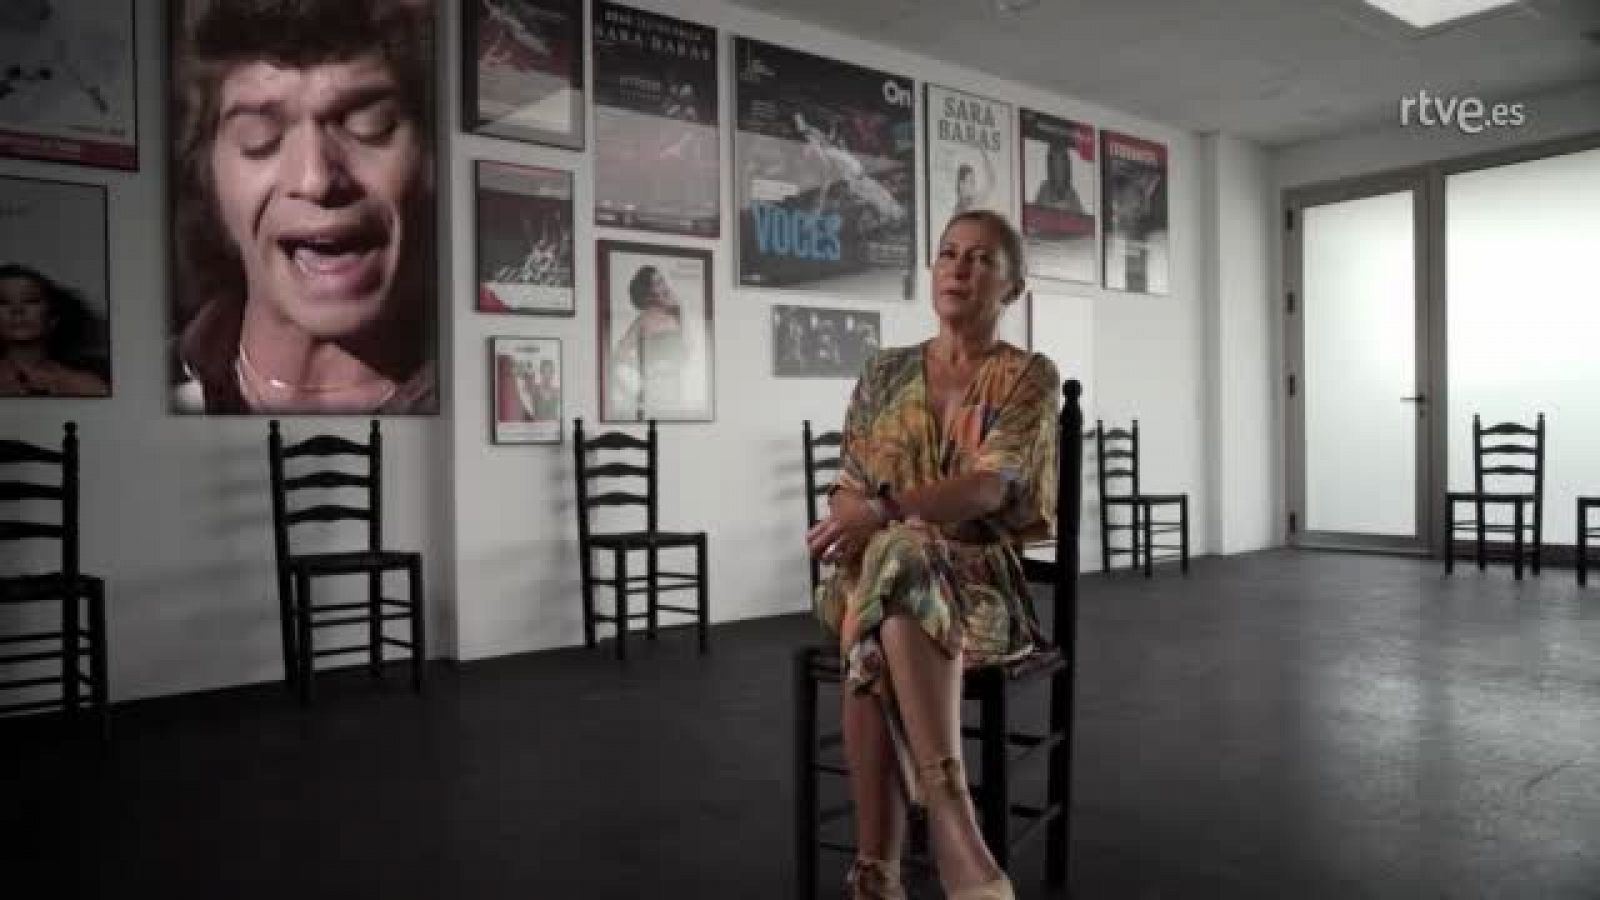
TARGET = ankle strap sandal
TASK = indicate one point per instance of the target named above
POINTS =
(874, 879)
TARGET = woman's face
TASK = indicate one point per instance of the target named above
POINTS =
(661, 292)
(972, 277)
(24, 312)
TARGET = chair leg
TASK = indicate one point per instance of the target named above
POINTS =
(1483, 559)
(702, 593)
(375, 624)
(805, 777)
(419, 625)
(620, 569)
(1583, 546)
(1149, 544)
(586, 584)
(1449, 536)
(69, 652)
(305, 656)
(1058, 780)
(1134, 535)
(1183, 516)
(100, 690)
(286, 626)
(1538, 536)
(652, 614)
(1516, 541)
(994, 800)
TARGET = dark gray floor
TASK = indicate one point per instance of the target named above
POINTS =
(1279, 725)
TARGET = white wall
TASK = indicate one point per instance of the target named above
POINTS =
(177, 509)
(1243, 415)
(740, 477)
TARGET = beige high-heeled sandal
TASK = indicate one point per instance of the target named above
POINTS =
(948, 778)
(874, 879)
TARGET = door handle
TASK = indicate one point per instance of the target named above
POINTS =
(1419, 398)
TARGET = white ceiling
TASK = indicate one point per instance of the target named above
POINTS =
(1273, 71)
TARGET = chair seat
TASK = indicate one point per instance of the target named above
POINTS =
(827, 665)
(44, 586)
(351, 562)
(640, 540)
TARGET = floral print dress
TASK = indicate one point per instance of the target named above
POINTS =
(963, 583)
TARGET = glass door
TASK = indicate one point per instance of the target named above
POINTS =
(1359, 460)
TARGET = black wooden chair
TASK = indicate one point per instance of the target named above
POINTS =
(1586, 531)
(1112, 447)
(651, 540)
(81, 596)
(821, 455)
(1001, 746)
(300, 617)
(1523, 449)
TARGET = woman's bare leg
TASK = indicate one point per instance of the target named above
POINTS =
(879, 807)
(927, 685)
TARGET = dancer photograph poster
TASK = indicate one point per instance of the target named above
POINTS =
(656, 123)
(523, 70)
(54, 307)
(655, 332)
(526, 383)
(824, 159)
(1134, 194)
(1058, 197)
(524, 222)
(970, 155)
(67, 82)
(811, 342)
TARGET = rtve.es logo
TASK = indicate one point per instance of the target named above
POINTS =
(1469, 115)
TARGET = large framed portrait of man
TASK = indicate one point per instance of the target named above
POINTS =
(655, 333)
(303, 196)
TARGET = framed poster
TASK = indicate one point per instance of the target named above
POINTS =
(1134, 194)
(524, 239)
(812, 342)
(657, 124)
(655, 333)
(525, 379)
(68, 82)
(970, 154)
(1058, 197)
(303, 274)
(54, 292)
(523, 70)
(824, 160)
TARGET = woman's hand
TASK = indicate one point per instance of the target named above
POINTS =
(842, 535)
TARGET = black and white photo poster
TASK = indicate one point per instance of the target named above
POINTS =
(824, 158)
(970, 157)
(1058, 197)
(811, 342)
(54, 339)
(67, 82)
(1135, 201)
(656, 118)
(524, 224)
(655, 332)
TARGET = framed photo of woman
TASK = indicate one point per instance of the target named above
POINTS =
(54, 291)
(525, 379)
(656, 345)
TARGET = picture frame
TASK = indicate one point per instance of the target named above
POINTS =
(523, 233)
(1136, 239)
(818, 342)
(71, 277)
(69, 86)
(656, 343)
(526, 390)
(522, 73)
(971, 156)
(1059, 182)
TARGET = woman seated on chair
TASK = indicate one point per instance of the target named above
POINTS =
(949, 465)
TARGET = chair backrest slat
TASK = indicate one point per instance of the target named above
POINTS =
(326, 476)
(615, 440)
(65, 528)
(617, 470)
(617, 498)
